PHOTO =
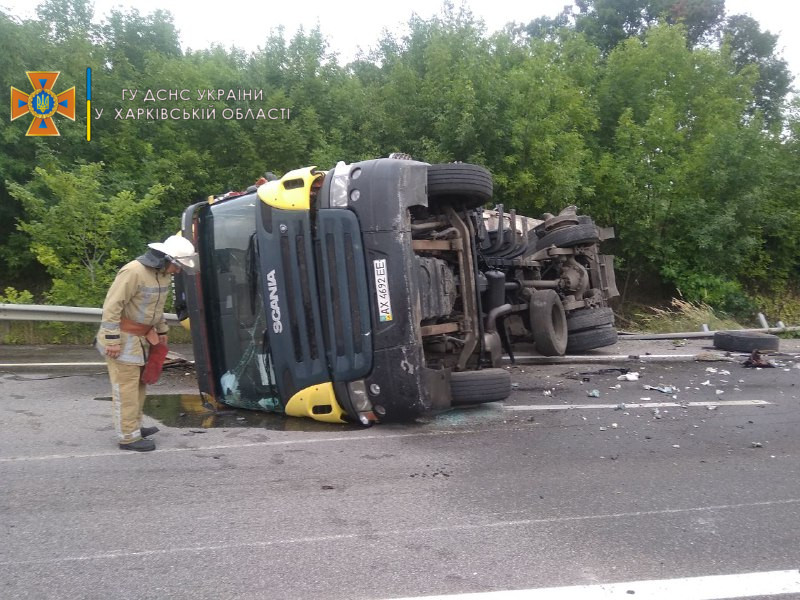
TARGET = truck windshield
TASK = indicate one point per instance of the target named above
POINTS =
(238, 346)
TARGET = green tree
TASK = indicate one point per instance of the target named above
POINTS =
(752, 48)
(681, 168)
(78, 233)
(609, 22)
(67, 19)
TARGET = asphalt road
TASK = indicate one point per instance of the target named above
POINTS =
(539, 492)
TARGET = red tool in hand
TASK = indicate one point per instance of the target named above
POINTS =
(155, 362)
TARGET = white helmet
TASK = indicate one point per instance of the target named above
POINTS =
(179, 251)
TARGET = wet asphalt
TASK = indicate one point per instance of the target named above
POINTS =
(568, 482)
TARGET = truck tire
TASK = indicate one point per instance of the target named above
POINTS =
(461, 185)
(745, 341)
(591, 339)
(548, 322)
(540, 230)
(476, 387)
(588, 318)
(566, 237)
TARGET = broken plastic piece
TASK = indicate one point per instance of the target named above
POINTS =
(664, 389)
(634, 376)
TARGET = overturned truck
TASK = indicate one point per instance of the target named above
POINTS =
(382, 290)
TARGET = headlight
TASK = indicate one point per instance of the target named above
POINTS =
(339, 185)
(358, 396)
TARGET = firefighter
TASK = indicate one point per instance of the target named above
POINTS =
(133, 320)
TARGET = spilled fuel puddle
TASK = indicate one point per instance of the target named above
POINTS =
(192, 411)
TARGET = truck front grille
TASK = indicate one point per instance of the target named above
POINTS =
(342, 279)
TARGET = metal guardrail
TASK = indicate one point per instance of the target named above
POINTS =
(697, 334)
(77, 314)
(70, 314)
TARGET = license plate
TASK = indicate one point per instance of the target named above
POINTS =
(382, 290)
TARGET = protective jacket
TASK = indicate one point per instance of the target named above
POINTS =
(138, 294)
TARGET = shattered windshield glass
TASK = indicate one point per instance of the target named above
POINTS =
(239, 345)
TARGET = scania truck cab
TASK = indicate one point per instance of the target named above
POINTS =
(383, 290)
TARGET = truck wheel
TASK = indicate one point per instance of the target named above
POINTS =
(566, 237)
(461, 185)
(476, 387)
(588, 318)
(745, 341)
(548, 322)
(591, 339)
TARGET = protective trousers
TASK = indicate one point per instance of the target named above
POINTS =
(127, 399)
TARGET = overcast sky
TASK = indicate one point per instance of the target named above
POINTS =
(350, 24)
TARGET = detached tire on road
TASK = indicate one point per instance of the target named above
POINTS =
(591, 339)
(745, 341)
(476, 387)
(461, 185)
(588, 318)
(572, 235)
(548, 322)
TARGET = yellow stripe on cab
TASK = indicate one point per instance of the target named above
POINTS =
(317, 402)
(292, 191)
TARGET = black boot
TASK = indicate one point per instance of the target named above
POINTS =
(148, 431)
(139, 445)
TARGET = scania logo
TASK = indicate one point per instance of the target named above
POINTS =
(277, 326)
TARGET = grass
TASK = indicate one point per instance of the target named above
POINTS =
(37, 333)
(678, 317)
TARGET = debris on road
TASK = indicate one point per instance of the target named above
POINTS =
(756, 361)
(745, 341)
(608, 371)
(711, 357)
(664, 389)
(634, 376)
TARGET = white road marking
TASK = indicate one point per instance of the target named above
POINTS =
(414, 532)
(714, 587)
(601, 358)
(357, 437)
(637, 405)
(354, 438)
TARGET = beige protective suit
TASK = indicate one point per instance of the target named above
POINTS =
(137, 294)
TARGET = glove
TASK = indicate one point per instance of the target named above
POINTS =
(155, 362)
